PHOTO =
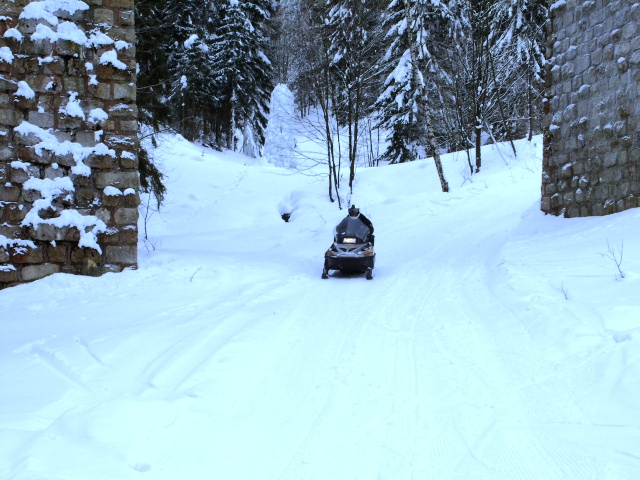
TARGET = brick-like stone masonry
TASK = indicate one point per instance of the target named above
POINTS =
(591, 157)
(68, 139)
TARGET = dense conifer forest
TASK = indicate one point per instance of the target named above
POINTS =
(432, 75)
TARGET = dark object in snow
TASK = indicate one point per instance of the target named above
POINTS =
(352, 249)
(355, 212)
(286, 216)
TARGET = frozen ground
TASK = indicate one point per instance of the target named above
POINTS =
(493, 343)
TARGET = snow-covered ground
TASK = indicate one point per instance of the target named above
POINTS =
(493, 343)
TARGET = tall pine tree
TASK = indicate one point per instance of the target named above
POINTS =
(404, 104)
(193, 94)
(243, 73)
(352, 26)
(151, 56)
(518, 42)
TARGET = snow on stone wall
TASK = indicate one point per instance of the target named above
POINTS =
(591, 162)
(68, 138)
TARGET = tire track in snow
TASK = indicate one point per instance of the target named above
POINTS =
(410, 385)
(316, 396)
(198, 342)
(89, 351)
(59, 364)
(506, 367)
(409, 423)
(481, 378)
(281, 400)
(376, 378)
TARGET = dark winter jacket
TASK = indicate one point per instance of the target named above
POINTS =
(366, 221)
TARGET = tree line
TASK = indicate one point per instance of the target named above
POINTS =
(435, 75)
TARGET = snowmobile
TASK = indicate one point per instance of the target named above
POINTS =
(352, 249)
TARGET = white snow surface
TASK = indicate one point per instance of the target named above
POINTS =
(494, 342)
(280, 134)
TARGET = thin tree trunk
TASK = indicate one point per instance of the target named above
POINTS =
(427, 130)
(529, 104)
(330, 161)
(436, 154)
(232, 123)
(481, 65)
(372, 157)
(352, 166)
(331, 156)
(330, 184)
(501, 109)
(323, 96)
(462, 133)
(478, 108)
(478, 131)
(356, 132)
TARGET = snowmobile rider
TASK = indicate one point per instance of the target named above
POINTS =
(355, 212)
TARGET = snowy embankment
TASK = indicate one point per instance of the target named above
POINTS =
(493, 343)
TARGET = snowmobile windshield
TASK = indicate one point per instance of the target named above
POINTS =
(351, 228)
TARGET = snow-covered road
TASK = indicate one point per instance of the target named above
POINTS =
(226, 356)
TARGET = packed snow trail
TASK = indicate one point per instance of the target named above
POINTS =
(226, 356)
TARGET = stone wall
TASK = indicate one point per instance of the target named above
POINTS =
(68, 138)
(591, 155)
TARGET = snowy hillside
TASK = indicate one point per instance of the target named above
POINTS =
(493, 342)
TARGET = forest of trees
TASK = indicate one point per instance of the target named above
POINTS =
(434, 75)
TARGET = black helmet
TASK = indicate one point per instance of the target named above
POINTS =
(353, 210)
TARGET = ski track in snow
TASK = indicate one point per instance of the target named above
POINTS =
(257, 369)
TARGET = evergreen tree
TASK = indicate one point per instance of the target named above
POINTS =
(476, 85)
(152, 87)
(519, 43)
(243, 73)
(152, 77)
(352, 26)
(285, 41)
(193, 94)
(314, 83)
(402, 104)
(311, 62)
(517, 31)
